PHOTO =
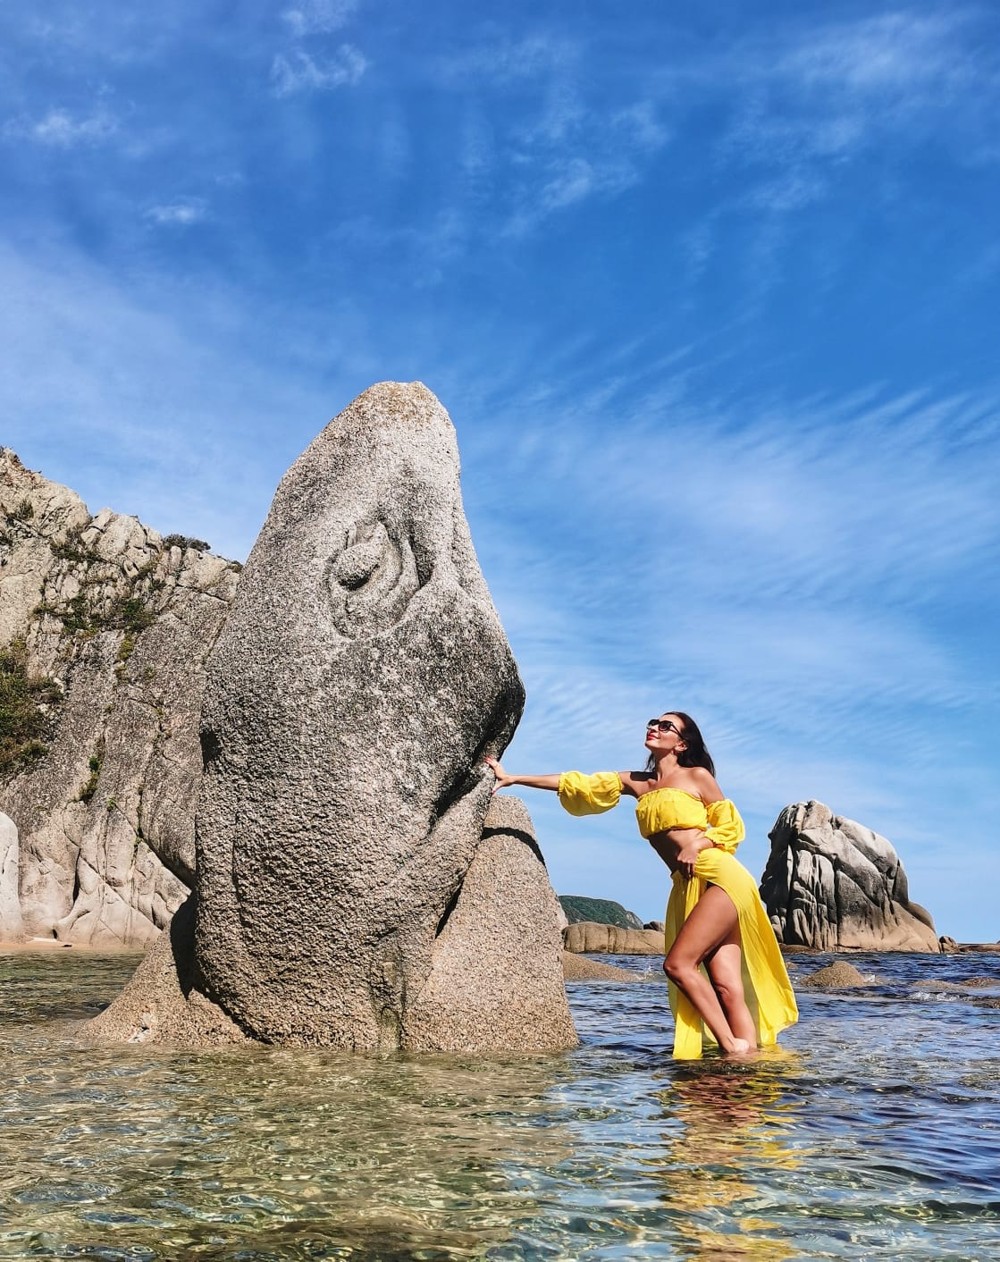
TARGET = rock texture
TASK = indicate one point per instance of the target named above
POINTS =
(588, 937)
(346, 892)
(837, 976)
(577, 968)
(496, 980)
(116, 622)
(161, 1002)
(832, 884)
(496, 965)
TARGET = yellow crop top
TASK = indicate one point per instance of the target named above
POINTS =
(655, 811)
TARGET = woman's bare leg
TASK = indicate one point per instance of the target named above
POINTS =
(724, 966)
(712, 922)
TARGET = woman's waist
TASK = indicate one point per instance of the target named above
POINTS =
(669, 842)
(719, 866)
(677, 835)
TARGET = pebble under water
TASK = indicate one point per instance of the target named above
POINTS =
(874, 1132)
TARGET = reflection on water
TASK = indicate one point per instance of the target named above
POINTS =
(732, 1119)
(873, 1134)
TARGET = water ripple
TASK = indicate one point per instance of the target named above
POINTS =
(872, 1134)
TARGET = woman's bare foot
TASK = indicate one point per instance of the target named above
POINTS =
(740, 1047)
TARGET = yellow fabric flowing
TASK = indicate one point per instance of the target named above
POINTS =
(768, 991)
(765, 979)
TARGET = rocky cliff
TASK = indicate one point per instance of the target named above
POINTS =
(833, 884)
(105, 626)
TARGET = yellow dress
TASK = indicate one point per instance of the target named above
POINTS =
(768, 991)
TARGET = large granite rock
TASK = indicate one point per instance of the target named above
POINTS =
(347, 894)
(109, 624)
(833, 884)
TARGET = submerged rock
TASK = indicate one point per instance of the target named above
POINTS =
(837, 976)
(832, 884)
(347, 894)
(577, 968)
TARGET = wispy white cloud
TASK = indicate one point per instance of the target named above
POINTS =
(501, 59)
(298, 71)
(896, 52)
(569, 143)
(816, 96)
(61, 129)
(435, 244)
(641, 126)
(319, 17)
(181, 213)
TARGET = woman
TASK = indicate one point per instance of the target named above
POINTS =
(715, 918)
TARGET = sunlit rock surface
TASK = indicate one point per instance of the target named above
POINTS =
(833, 884)
(590, 937)
(107, 624)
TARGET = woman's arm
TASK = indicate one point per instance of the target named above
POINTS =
(504, 781)
(691, 842)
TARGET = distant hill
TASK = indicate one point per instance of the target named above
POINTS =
(600, 911)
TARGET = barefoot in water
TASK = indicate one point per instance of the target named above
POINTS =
(741, 1047)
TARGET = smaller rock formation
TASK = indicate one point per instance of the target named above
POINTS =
(598, 911)
(587, 937)
(832, 884)
(577, 968)
(161, 1002)
(496, 981)
(837, 976)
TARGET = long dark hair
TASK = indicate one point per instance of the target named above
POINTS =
(696, 754)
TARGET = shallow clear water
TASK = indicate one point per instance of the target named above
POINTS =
(875, 1133)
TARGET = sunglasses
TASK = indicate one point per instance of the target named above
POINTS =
(662, 725)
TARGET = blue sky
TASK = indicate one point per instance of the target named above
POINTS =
(710, 291)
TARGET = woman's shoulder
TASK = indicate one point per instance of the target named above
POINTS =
(705, 785)
(635, 783)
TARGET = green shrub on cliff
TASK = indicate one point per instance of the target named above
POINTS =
(26, 705)
(186, 541)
